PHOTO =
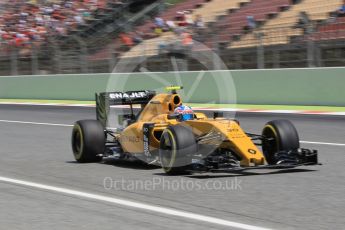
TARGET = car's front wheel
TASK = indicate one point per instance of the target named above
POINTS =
(88, 141)
(279, 135)
(177, 146)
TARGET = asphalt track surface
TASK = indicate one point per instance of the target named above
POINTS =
(304, 198)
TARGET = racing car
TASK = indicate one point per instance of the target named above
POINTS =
(155, 130)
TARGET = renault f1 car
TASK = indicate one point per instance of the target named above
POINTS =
(157, 135)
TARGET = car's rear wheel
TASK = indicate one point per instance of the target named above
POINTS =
(177, 146)
(279, 135)
(88, 141)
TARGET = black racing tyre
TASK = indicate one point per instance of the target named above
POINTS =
(177, 146)
(284, 137)
(88, 140)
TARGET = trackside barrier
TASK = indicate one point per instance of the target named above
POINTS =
(318, 86)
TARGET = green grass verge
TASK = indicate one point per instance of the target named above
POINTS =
(173, 2)
(253, 107)
(47, 101)
(274, 107)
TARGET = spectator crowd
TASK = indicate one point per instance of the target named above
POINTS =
(24, 22)
(184, 26)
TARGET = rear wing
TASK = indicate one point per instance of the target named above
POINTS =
(107, 99)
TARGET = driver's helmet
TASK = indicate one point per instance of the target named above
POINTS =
(186, 112)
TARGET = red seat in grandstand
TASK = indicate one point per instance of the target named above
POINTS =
(331, 31)
(260, 10)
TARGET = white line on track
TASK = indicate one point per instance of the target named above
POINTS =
(132, 204)
(322, 143)
(66, 125)
(35, 123)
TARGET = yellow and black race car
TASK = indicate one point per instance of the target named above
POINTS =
(165, 132)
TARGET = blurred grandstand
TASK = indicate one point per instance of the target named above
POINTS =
(89, 36)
